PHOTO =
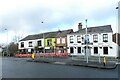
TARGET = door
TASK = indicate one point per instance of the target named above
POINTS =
(105, 50)
(71, 50)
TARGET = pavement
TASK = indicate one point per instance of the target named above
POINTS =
(73, 62)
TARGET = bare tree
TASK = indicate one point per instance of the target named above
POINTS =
(12, 48)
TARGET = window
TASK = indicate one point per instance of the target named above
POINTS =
(105, 50)
(63, 40)
(79, 49)
(82, 39)
(58, 40)
(49, 42)
(30, 44)
(22, 44)
(78, 39)
(95, 38)
(71, 39)
(105, 37)
(39, 43)
(71, 50)
(95, 50)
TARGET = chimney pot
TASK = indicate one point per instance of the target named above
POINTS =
(79, 26)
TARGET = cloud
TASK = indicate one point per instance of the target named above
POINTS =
(25, 16)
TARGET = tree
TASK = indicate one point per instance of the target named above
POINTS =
(12, 48)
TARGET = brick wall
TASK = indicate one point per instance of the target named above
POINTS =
(114, 38)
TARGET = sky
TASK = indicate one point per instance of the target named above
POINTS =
(19, 18)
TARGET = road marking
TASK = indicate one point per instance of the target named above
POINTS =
(59, 63)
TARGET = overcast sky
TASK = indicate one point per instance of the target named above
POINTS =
(25, 17)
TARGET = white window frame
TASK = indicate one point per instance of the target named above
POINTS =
(71, 39)
(58, 40)
(78, 39)
(63, 40)
(22, 45)
(105, 37)
(40, 43)
(95, 38)
(30, 44)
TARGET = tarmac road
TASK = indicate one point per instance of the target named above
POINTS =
(20, 68)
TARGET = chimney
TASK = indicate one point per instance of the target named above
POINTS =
(79, 26)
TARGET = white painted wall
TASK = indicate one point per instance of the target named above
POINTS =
(112, 52)
(34, 43)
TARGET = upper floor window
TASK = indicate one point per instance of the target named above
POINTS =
(63, 40)
(58, 40)
(49, 42)
(95, 38)
(22, 44)
(39, 43)
(105, 37)
(78, 39)
(30, 44)
(71, 39)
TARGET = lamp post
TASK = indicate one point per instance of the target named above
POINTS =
(7, 42)
(43, 39)
(44, 42)
(116, 30)
(86, 39)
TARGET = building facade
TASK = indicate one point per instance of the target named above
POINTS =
(29, 43)
(61, 41)
(99, 41)
(44, 42)
(118, 42)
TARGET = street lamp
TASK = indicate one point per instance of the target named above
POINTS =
(43, 39)
(86, 40)
(117, 48)
(7, 42)
(43, 42)
(116, 30)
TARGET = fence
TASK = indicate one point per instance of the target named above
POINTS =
(44, 55)
(67, 56)
(93, 58)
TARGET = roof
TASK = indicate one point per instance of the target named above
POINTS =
(97, 29)
(53, 34)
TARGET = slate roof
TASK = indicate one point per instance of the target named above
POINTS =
(97, 29)
(53, 34)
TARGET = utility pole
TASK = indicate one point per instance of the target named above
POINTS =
(117, 48)
(44, 42)
(86, 42)
(116, 30)
(7, 42)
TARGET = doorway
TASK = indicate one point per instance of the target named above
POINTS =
(105, 50)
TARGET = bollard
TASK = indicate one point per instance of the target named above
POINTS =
(33, 56)
(104, 62)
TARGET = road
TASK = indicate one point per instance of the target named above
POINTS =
(20, 68)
